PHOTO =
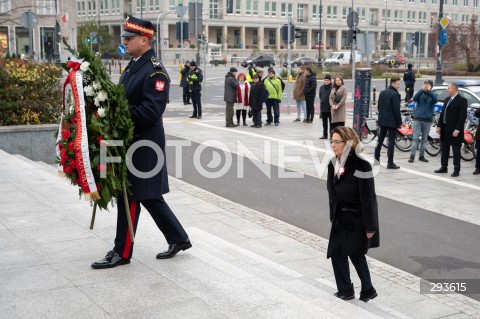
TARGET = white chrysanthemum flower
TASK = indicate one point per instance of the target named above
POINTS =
(96, 85)
(89, 91)
(84, 66)
(102, 96)
(96, 101)
(71, 108)
(101, 112)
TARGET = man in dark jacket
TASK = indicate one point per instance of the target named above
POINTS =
(310, 90)
(230, 95)
(184, 83)
(195, 79)
(409, 79)
(147, 86)
(422, 119)
(389, 119)
(450, 127)
(324, 95)
(258, 95)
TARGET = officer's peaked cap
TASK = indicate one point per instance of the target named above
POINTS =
(134, 26)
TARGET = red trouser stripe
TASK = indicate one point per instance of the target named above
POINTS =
(128, 241)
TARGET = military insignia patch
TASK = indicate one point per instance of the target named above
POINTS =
(160, 86)
(156, 64)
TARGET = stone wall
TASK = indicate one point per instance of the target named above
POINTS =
(36, 142)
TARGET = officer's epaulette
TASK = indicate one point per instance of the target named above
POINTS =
(156, 64)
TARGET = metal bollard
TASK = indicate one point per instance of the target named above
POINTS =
(374, 102)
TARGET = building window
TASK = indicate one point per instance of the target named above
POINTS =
(283, 9)
(23, 41)
(238, 7)
(423, 1)
(331, 13)
(411, 17)
(475, 3)
(445, 2)
(434, 2)
(274, 9)
(387, 16)
(345, 11)
(303, 38)
(154, 5)
(271, 37)
(5, 6)
(300, 13)
(248, 7)
(345, 39)
(236, 37)
(361, 14)
(171, 4)
(255, 37)
(213, 9)
(104, 7)
(465, 3)
(465, 18)
(455, 18)
(314, 12)
(92, 8)
(454, 3)
(219, 36)
(290, 9)
(411, 1)
(115, 7)
(422, 17)
(81, 8)
(46, 7)
(267, 8)
(255, 7)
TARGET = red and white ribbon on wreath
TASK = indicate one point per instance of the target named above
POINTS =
(74, 84)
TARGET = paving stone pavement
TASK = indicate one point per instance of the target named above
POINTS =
(243, 264)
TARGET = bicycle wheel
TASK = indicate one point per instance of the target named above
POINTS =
(403, 142)
(432, 147)
(467, 152)
(366, 135)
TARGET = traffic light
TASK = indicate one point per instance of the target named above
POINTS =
(178, 30)
(229, 6)
(285, 33)
(294, 33)
(88, 40)
(354, 36)
(416, 38)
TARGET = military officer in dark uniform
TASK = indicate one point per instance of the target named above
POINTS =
(195, 78)
(147, 87)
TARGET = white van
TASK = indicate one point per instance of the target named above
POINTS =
(341, 57)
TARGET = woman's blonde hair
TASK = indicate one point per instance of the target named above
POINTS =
(348, 134)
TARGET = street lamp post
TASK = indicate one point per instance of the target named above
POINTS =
(385, 39)
(438, 72)
(320, 9)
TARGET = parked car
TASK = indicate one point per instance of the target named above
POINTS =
(390, 60)
(303, 60)
(260, 61)
(469, 89)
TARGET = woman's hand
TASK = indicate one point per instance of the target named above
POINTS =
(369, 234)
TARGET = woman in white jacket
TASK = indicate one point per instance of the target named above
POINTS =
(243, 92)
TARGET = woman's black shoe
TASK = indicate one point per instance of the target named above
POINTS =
(369, 294)
(346, 294)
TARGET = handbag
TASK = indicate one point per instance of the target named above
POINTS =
(249, 113)
(337, 98)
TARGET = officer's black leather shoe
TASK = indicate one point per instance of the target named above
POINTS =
(173, 249)
(192, 117)
(112, 259)
(455, 174)
(368, 294)
(346, 294)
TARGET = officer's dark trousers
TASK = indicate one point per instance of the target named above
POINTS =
(341, 271)
(310, 102)
(161, 214)
(445, 149)
(197, 102)
(392, 134)
(186, 95)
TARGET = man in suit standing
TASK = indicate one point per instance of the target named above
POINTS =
(450, 127)
(389, 119)
(147, 86)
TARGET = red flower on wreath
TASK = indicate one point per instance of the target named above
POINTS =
(68, 170)
(73, 164)
(99, 139)
(101, 167)
(66, 134)
(70, 146)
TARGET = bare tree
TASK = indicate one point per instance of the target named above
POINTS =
(462, 45)
(10, 15)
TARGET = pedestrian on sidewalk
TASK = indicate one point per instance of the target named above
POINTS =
(337, 98)
(230, 95)
(184, 83)
(241, 107)
(195, 79)
(147, 86)
(251, 71)
(477, 145)
(353, 213)
(298, 95)
(260, 75)
(273, 84)
(409, 79)
(450, 127)
(258, 95)
(325, 113)
(310, 91)
(389, 119)
(422, 119)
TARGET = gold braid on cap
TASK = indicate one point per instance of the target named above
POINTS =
(148, 32)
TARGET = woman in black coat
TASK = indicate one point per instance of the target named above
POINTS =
(353, 213)
(258, 95)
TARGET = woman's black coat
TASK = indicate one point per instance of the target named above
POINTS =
(258, 95)
(353, 209)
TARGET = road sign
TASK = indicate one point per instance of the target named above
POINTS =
(29, 19)
(122, 49)
(445, 21)
(443, 36)
(352, 20)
